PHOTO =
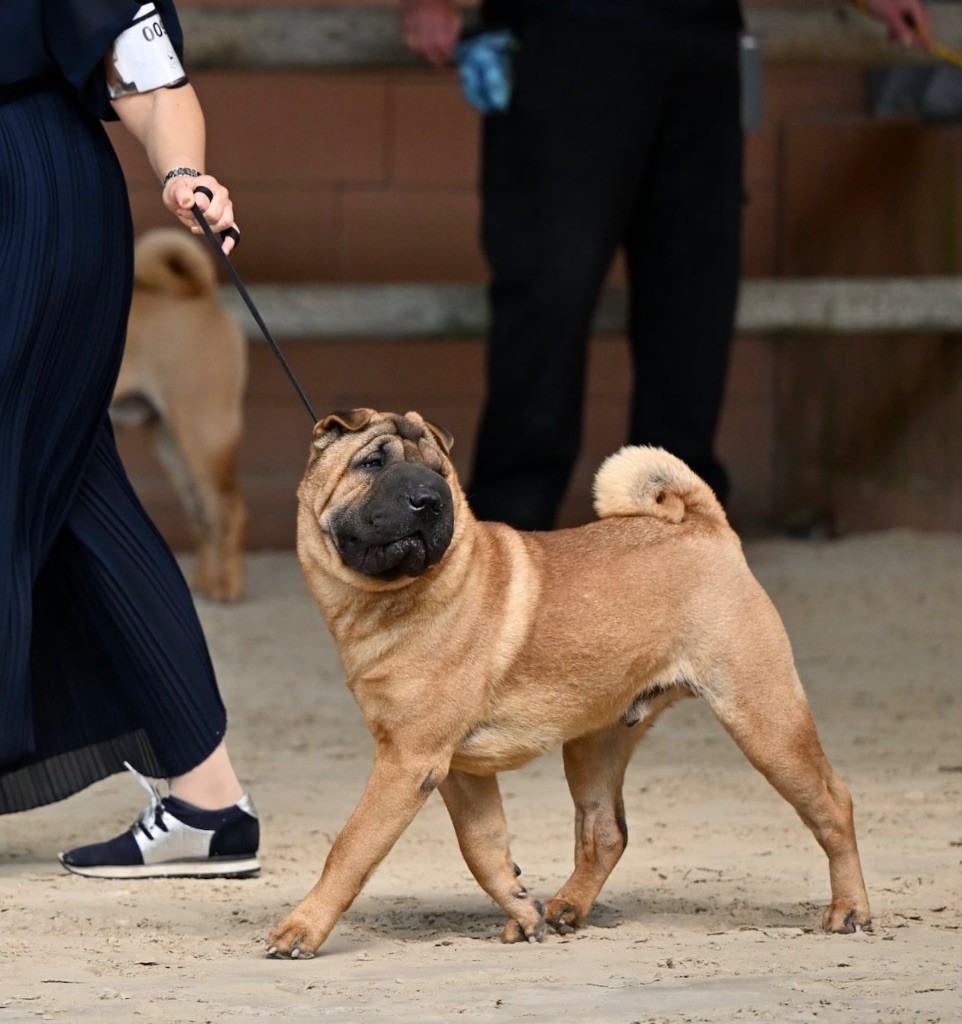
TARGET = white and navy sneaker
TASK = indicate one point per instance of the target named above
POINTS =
(175, 839)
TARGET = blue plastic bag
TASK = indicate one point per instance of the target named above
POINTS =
(485, 67)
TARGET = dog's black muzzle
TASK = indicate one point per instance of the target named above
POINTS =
(403, 527)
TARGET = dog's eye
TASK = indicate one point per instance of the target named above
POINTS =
(373, 461)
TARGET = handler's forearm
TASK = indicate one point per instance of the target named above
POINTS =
(169, 124)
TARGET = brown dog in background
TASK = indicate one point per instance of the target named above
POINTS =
(183, 376)
(471, 648)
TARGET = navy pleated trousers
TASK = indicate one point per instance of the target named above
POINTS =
(102, 658)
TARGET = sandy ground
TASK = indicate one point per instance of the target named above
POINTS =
(711, 915)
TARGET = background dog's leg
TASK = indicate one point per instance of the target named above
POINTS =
(395, 792)
(474, 803)
(202, 466)
(595, 769)
(770, 720)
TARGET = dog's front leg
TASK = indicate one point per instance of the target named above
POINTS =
(474, 803)
(395, 792)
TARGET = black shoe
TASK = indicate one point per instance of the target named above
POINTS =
(175, 839)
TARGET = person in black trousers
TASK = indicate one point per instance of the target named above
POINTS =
(623, 133)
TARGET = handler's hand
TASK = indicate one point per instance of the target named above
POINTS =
(179, 198)
(908, 21)
(431, 28)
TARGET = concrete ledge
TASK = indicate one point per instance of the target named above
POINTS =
(364, 311)
(279, 38)
(868, 306)
(328, 38)
(810, 306)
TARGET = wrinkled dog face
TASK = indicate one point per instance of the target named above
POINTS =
(391, 511)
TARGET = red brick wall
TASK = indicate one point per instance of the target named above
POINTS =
(368, 177)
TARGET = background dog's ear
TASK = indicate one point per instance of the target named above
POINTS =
(353, 419)
(444, 437)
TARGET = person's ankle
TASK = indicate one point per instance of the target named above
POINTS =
(207, 798)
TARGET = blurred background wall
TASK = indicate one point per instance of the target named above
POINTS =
(369, 176)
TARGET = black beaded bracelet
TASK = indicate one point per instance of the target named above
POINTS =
(180, 172)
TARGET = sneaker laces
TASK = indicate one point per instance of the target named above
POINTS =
(154, 812)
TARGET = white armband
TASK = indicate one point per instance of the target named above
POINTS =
(143, 58)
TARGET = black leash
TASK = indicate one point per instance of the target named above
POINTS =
(245, 295)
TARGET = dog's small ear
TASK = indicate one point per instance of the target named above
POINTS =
(353, 419)
(445, 439)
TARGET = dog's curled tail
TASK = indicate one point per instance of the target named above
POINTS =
(646, 481)
(169, 260)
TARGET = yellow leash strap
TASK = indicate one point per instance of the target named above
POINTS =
(945, 53)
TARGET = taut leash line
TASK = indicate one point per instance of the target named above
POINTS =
(249, 302)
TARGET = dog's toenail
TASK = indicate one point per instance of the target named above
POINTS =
(517, 870)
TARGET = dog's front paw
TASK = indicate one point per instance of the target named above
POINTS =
(563, 916)
(843, 918)
(531, 929)
(296, 937)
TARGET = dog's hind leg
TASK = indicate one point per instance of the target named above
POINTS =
(769, 718)
(202, 468)
(222, 576)
(595, 769)
(474, 803)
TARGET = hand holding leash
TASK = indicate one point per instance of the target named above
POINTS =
(907, 21)
(230, 237)
(181, 186)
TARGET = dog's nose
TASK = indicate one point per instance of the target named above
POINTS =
(425, 501)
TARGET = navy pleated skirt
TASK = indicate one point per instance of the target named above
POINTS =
(102, 658)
